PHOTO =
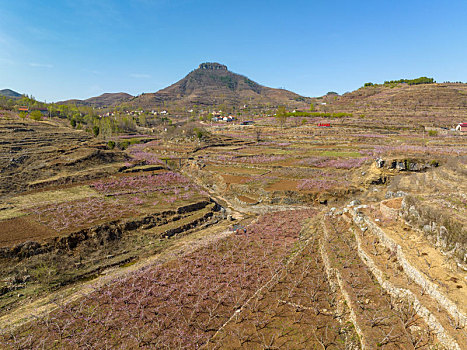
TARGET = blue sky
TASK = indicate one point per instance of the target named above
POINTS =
(57, 50)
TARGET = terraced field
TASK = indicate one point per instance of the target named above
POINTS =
(71, 209)
(34, 154)
(256, 237)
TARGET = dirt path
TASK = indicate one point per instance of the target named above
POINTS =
(46, 305)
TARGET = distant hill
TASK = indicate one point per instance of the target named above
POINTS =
(104, 100)
(407, 96)
(213, 84)
(10, 93)
(433, 104)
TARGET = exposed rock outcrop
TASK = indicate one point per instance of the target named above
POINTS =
(212, 66)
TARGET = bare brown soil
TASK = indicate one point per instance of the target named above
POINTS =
(247, 199)
(431, 262)
(283, 185)
(394, 203)
(43, 306)
(245, 263)
(235, 179)
(379, 322)
(297, 309)
(17, 230)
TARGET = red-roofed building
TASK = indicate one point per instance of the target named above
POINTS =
(23, 109)
(461, 127)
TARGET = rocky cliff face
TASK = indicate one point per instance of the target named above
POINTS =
(212, 66)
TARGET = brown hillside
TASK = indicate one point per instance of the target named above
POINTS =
(104, 100)
(213, 84)
(445, 103)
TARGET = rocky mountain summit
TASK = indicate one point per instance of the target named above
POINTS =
(212, 66)
(213, 84)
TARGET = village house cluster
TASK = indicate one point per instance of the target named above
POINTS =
(229, 118)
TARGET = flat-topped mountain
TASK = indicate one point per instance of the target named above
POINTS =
(10, 93)
(104, 100)
(213, 84)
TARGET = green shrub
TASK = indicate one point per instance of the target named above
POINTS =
(111, 144)
(421, 80)
(199, 133)
(95, 130)
(123, 144)
(22, 115)
(341, 115)
(35, 115)
(432, 133)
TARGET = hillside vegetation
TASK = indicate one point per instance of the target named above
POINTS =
(10, 93)
(104, 100)
(213, 84)
(434, 104)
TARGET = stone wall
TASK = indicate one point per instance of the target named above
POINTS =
(387, 211)
(414, 274)
(444, 231)
(405, 294)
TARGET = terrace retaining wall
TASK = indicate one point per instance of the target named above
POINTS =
(446, 233)
(429, 287)
(107, 232)
(406, 294)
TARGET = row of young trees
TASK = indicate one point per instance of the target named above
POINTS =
(86, 117)
(83, 116)
(177, 305)
(282, 115)
(25, 100)
(417, 81)
(107, 122)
